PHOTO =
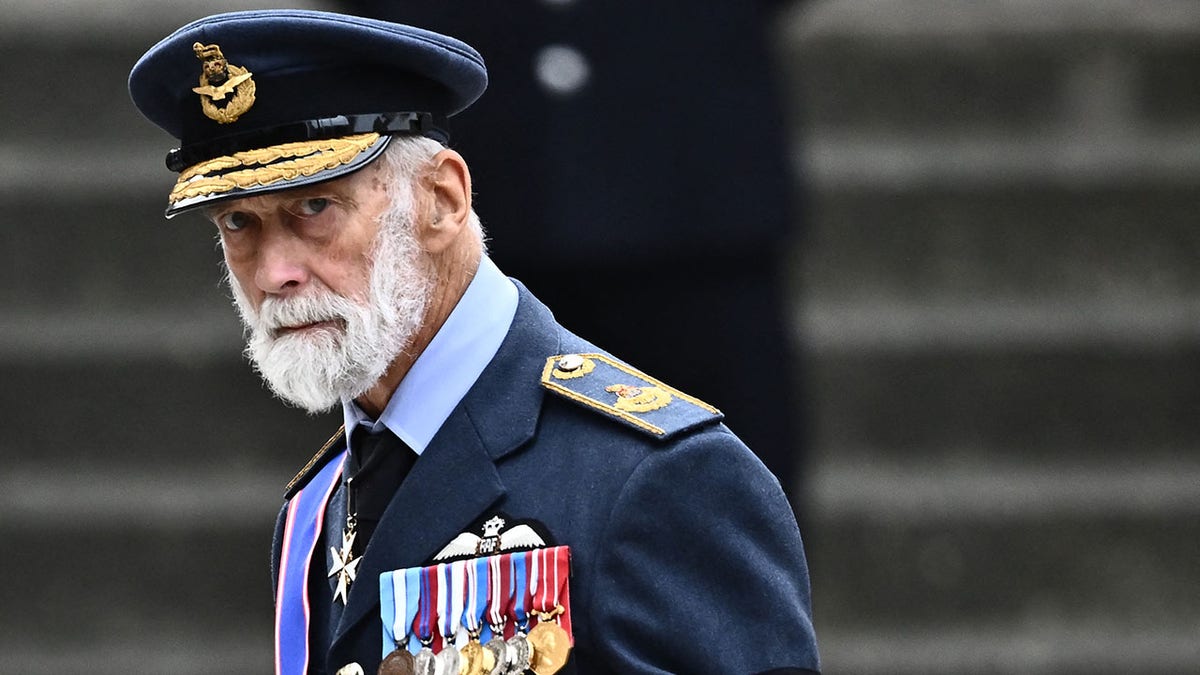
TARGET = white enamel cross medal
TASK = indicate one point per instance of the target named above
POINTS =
(345, 565)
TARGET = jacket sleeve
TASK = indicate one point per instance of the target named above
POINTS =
(703, 569)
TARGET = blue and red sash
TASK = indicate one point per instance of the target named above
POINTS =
(302, 528)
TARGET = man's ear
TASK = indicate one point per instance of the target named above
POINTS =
(449, 185)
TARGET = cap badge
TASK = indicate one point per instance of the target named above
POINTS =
(226, 91)
(639, 399)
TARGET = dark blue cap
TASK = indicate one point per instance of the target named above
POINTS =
(268, 100)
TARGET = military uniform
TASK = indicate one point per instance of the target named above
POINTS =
(685, 554)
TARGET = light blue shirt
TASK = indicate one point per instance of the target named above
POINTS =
(451, 363)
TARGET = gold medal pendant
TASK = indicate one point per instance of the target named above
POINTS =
(550, 644)
(473, 659)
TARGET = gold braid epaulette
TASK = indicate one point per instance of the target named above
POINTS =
(310, 157)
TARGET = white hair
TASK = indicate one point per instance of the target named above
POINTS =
(407, 158)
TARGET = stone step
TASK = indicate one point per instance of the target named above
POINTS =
(1008, 243)
(149, 652)
(882, 576)
(154, 413)
(938, 66)
(113, 250)
(1051, 404)
(829, 328)
(1105, 647)
(852, 489)
(850, 163)
(111, 583)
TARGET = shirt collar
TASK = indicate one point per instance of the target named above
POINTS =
(450, 364)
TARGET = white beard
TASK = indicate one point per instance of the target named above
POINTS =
(318, 368)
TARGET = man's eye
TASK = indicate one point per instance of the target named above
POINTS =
(234, 220)
(311, 207)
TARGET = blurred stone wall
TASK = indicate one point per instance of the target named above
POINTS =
(1000, 300)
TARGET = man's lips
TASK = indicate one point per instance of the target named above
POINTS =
(316, 325)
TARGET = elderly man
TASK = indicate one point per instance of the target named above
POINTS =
(503, 496)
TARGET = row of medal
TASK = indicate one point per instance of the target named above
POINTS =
(497, 615)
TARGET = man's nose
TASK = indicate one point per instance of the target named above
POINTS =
(281, 262)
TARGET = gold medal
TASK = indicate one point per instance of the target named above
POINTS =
(551, 647)
(550, 643)
(399, 662)
(472, 659)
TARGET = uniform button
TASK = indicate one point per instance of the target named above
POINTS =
(561, 69)
(570, 362)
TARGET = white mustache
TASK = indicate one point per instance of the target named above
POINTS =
(323, 305)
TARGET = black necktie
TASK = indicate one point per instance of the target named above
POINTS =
(375, 468)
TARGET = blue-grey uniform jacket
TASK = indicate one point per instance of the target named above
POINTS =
(685, 555)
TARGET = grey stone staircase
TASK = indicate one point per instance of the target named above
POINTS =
(999, 300)
(997, 292)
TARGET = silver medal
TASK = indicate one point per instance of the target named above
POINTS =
(518, 655)
(425, 663)
(448, 660)
(499, 649)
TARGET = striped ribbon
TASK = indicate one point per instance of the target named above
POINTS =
(302, 528)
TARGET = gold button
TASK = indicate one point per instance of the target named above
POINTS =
(570, 362)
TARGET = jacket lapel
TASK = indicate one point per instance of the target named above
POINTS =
(455, 480)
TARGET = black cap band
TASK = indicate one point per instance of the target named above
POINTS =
(419, 123)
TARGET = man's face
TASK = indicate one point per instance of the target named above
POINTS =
(330, 283)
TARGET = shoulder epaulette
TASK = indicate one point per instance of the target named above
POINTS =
(624, 393)
(318, 460)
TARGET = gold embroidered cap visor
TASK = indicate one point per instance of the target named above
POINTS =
(263, 101)
(276, 167)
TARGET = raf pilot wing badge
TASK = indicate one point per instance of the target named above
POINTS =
(495, 539)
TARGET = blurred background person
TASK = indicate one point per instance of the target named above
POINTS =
(655, 210)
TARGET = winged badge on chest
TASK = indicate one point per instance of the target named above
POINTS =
(495, 540)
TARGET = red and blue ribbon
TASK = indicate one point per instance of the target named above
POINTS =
(302, 528)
